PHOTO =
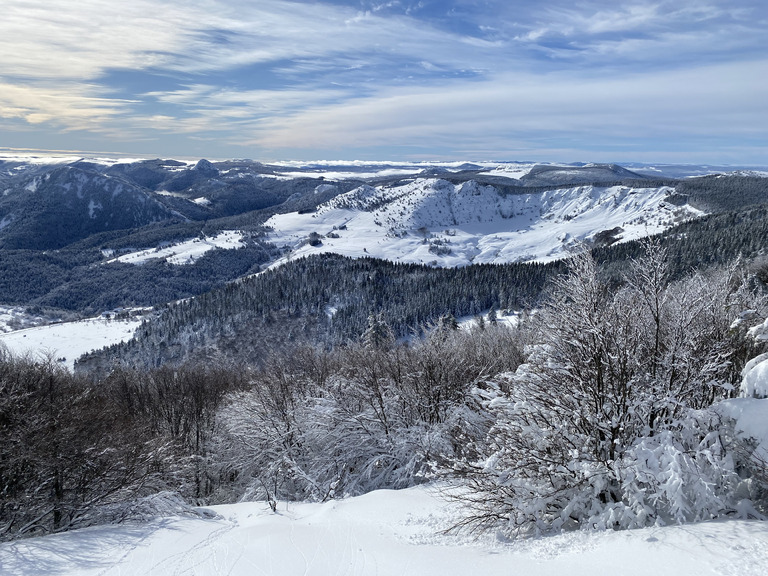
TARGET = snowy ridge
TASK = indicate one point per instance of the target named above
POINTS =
(435, 221)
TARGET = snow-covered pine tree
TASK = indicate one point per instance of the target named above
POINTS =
(378, 334)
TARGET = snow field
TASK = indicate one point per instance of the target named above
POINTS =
(69, 340)
(185, 252)
(381, 533)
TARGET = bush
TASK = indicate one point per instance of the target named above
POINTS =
(372, 415)
(607, 424)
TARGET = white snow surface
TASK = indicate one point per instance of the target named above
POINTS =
(750, 418)
(69, 340)
(471, 223)
(749, 413)
(185, 252)
(754, 383)
(381, 533)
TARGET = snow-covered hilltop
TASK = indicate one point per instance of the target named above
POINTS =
(430, 220)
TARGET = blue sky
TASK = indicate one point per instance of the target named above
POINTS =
(652, 81)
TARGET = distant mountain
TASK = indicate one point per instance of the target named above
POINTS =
(85, 234)
(69, 203)
(546, 175)
(432, 220)
(50, 205)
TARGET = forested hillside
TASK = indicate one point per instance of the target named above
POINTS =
(324, 300)
(327, 299)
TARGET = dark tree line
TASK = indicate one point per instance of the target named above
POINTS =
(76, 451)
(81, 282)
(323, 299)
(719, 193)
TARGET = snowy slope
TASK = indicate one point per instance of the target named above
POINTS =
(69, 340)
(185, 252)
(381, 533)
(435, 221)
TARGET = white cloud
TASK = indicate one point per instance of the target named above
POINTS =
(71, 106)
(80, 39)
(84, 38)
(341, 78)
(63, 49)
(652, 32)
(713, 101)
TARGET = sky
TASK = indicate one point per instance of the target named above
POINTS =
(564, 80)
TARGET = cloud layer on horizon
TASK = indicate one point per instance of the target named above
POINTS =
(630, 80)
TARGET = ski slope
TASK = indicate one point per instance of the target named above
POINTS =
(381, 533)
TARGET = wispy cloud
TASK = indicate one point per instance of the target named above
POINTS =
(281, 76)
(713, 102)
(67, 107)
(667, 33)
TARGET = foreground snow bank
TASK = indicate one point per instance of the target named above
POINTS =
(384, 532)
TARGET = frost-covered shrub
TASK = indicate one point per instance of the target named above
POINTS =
(607, 423)
(71, 455)
(747, 422)
(545, 476)
(370, 416)
(329, 446)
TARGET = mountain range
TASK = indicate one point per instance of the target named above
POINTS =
(81, 236)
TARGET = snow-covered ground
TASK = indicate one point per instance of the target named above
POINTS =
(381, 533)
(69, 340)
(434, 221)
(185, 252)
(18, 317)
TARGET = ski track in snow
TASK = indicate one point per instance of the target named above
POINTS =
(382, 533)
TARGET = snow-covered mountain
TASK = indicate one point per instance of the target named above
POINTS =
(53, 208)
(431, 220)
(51, 202)
(77, 226)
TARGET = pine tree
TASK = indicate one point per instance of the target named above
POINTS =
(378, 335)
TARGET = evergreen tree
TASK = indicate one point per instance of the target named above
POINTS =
(378, 334)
